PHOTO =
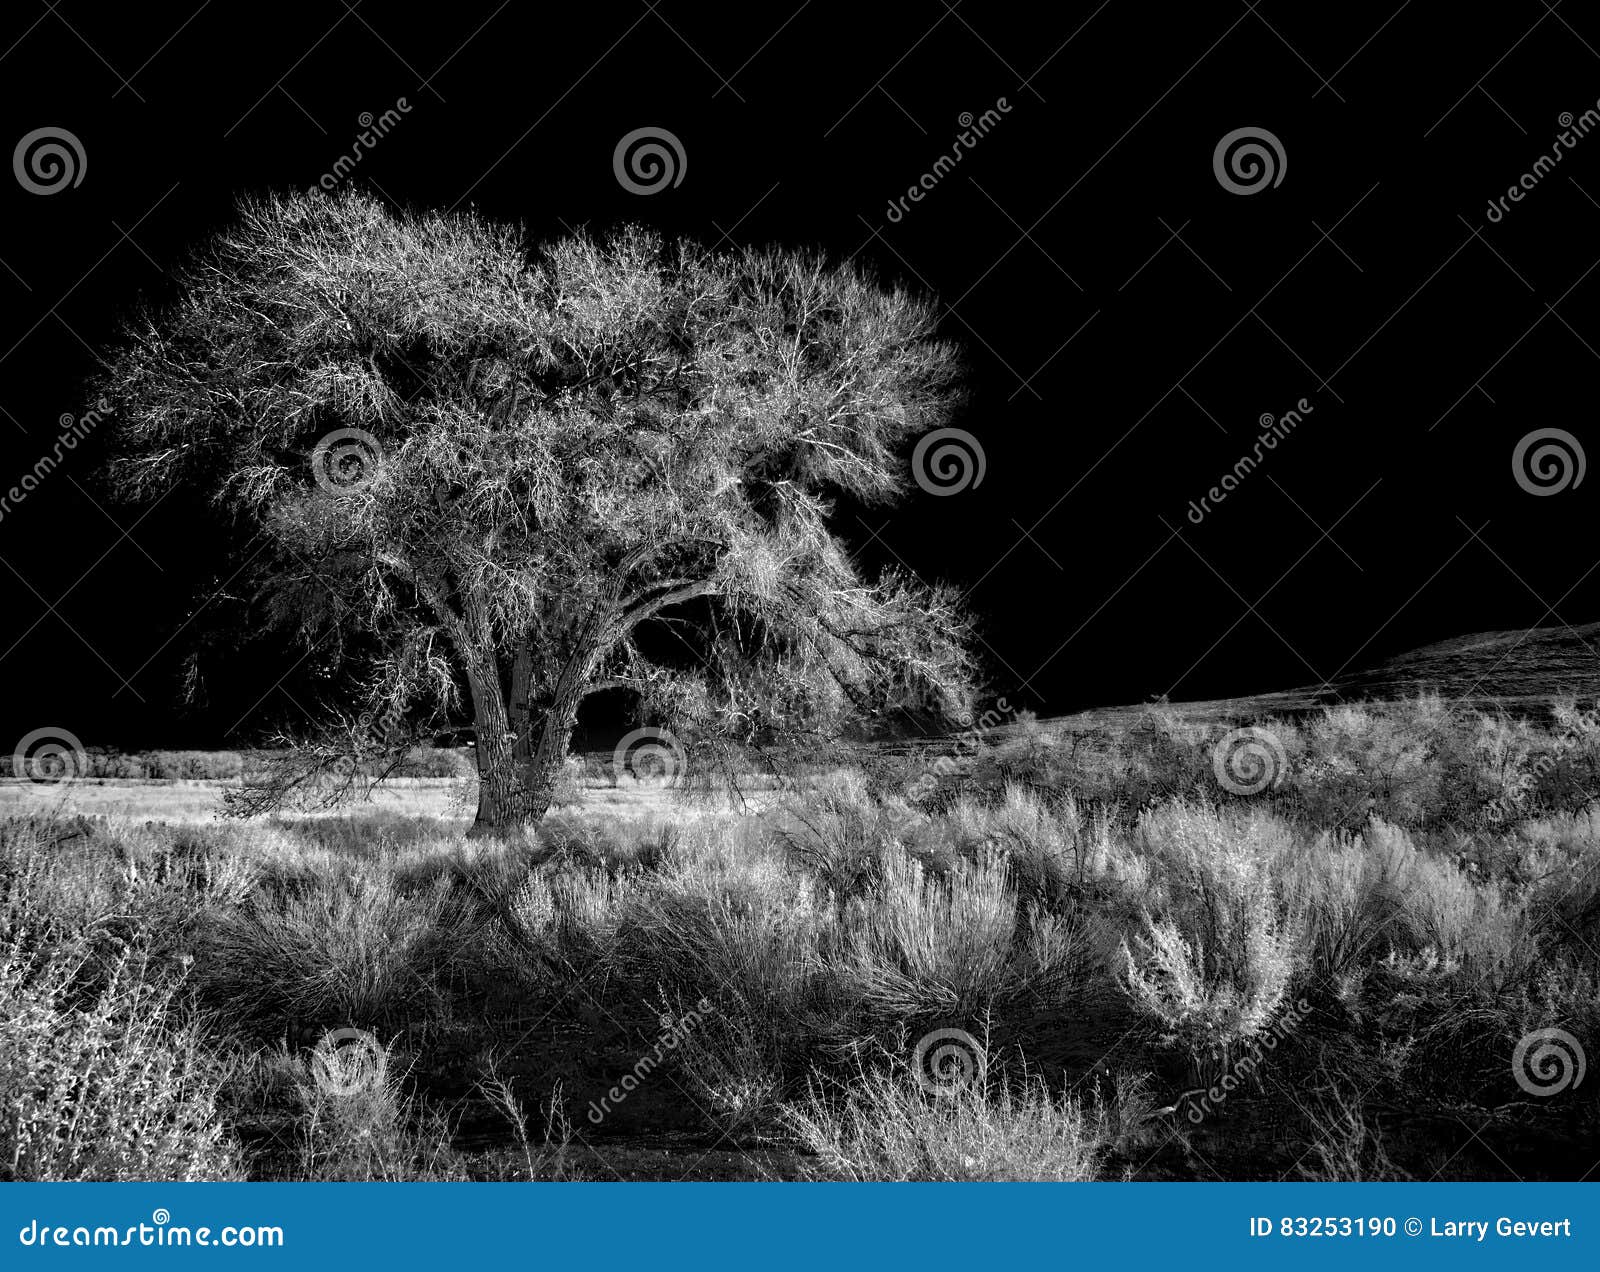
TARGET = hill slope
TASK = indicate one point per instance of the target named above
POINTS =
(1518, 671)
(1509, 668)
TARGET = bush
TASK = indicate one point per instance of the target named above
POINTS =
(109, 1082)
(1427, 879)
(881, 1126)
(920, 945)
(357, 1125)
(338, 950)
(1220, 940)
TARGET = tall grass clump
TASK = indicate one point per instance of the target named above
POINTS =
(882, 1127)
(354, 949)
(921, 944)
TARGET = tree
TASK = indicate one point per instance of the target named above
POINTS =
(507, 480)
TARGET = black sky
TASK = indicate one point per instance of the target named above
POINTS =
(1128, 319)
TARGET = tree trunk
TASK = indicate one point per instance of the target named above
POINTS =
(521, 690)
(504, 801)
(517, 776)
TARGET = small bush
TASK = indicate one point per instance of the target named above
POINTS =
(104, 1083)
(881, 1126)
(1220, 940)
(338, 950)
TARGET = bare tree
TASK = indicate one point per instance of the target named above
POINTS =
(606, 464)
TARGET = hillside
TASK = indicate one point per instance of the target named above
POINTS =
(1519, 671)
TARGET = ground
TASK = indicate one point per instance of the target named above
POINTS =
(1343, 942)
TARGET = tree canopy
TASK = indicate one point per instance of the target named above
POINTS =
(494, 480)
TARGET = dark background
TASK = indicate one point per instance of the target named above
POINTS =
(1128, 319)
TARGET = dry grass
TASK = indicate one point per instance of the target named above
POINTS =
(881, 1126)
(1095, 908)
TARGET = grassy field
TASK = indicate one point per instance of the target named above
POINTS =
(1354, 943)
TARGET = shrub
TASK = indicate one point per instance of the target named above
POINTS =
(105, 1083)
(337, 950)
(882, 1127)
(920, 945)
(1220, 940)
(360, 1127)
